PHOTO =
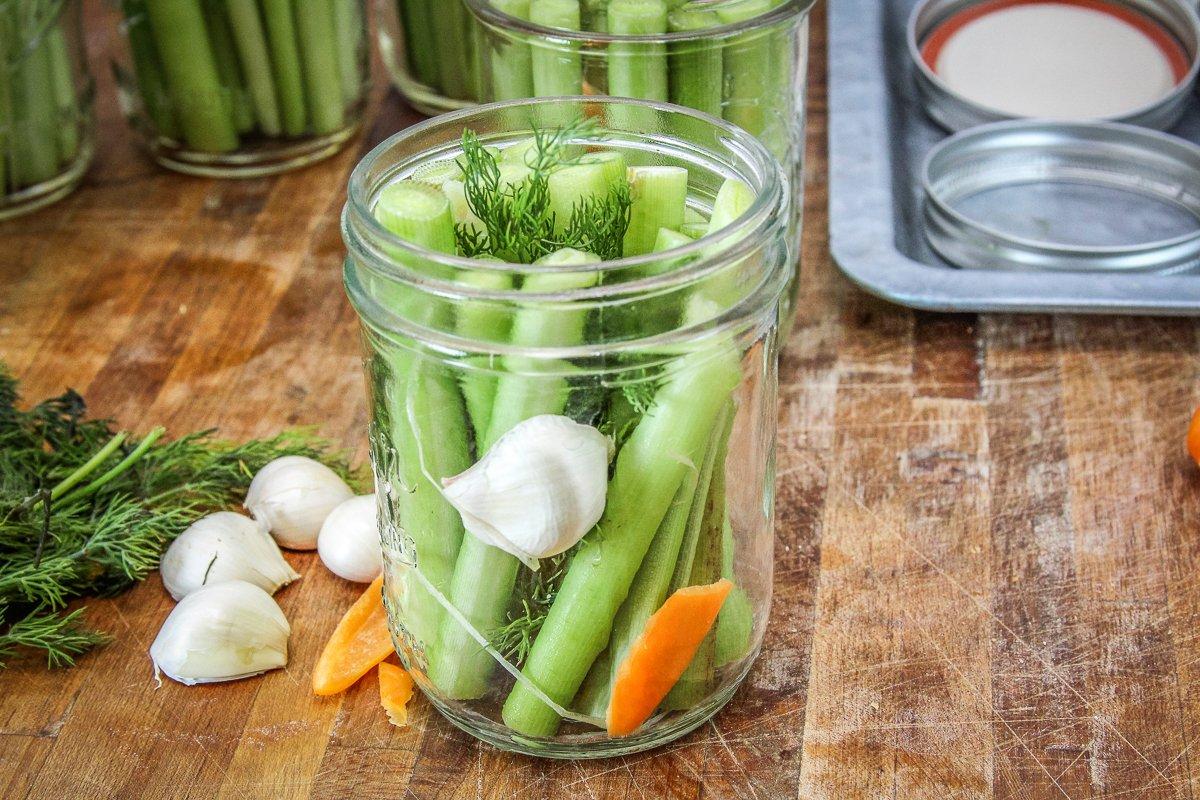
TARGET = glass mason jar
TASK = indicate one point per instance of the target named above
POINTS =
(431, 51)
(242, 88)
(743, 60)
(671, 356)
(46, 96)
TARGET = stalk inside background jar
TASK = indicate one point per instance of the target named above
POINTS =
(40, 120)
(215, 74)
(556, 627)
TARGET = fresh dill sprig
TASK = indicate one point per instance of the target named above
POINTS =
(81, 516)
(536, 592)
(519, 224)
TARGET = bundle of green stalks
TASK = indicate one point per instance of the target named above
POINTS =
(556, 202)
(41, 125)
(441, 45)
(747, 77)
(215, 74)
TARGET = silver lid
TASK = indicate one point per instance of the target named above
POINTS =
(1078, 196)
(955, 112)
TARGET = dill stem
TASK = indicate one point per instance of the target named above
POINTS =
(90, 466)
(125, 463)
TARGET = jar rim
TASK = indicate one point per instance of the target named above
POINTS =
(769, 202)
(789, 9)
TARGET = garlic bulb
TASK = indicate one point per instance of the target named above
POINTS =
(349, 541)
(221, 633)
(539, 489)
(292, 496)
(224, 547)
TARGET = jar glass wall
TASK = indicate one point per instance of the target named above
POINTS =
(743, 60)
(46, 96)
(242, 88)
(431, 50)
(670, 356)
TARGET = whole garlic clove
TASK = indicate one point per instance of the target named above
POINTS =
(224, 547)
(292, 496)
(221, 633)
(349, 541)
(538, 491)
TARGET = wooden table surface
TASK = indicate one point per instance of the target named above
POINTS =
(987, 533)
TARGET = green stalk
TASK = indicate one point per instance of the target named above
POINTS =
(450, 35)
(347, 19)
(220, 37)
(593, 696)
(427, 421)
(420, 41)
(456, 193)
(88, 467)
(482, 322)
(615, 167)
(511, 61)
(659, 195)
(6, 110)
(695, 65)
(182, 42)
(557, 67)
(65, 99)
(571, 186)
(637, 70)
(35, 124)
(653, 582)
(484, 576)
(705, 567)
(748, 66)
(317, 35)
(285, 65)
(735, 623)
(255, 59)
(119, 469)
(148, 69)
(649, 471)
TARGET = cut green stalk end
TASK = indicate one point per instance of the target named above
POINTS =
(418, 213)
(659, 195)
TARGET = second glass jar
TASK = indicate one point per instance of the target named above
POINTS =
(242, 88)
(668, 358)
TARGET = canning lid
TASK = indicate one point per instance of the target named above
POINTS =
(980, 61)
(1078, 196)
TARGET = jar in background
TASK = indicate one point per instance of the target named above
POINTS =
(431, 51)
(672, 356)
(242, 88)
(46, 96)
(743, 60)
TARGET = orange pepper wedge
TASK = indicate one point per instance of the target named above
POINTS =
(395, 690)
(659, 657)
(360, 641)
(1193, 437)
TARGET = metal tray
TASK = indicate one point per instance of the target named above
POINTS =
(878, 139)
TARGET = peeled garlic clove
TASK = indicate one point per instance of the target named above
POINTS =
(221, 633)
(349, 541)
(539, 489)
(224, 547)
(292, 496)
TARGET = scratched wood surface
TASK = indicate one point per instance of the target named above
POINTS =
(987, 533)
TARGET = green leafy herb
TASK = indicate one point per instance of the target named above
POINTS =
(517, 216)
(88, 511)
(537, 591)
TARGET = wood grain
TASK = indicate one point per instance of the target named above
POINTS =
(986, 555)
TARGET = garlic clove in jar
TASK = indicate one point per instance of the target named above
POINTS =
(349, 541)
(292, 496)
(541, 487)
(221, 633)
(224, 547)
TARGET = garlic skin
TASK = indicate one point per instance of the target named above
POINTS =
(541, 487)
(221, 633)
(349, 541)
(224, 547)
(292, 496)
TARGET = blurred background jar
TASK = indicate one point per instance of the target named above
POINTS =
(241, 88)
(742, 60)
(431, 50)
(46, 97)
